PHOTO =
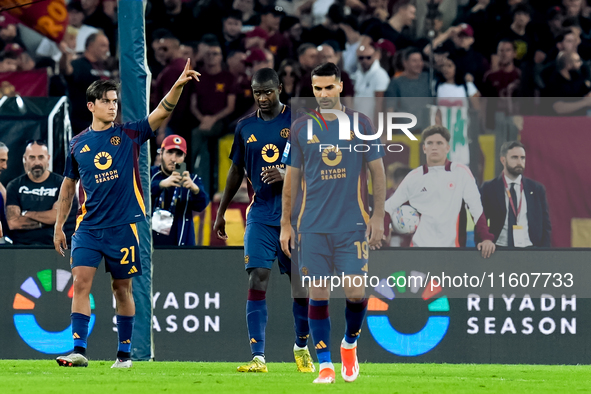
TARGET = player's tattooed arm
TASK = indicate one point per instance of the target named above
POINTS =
(169, 101)
(16, 221)
(64, 205)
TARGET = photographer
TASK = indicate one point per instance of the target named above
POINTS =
(175, 195)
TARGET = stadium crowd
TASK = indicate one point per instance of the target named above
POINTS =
(479, 48)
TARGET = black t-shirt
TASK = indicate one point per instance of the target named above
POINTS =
(84, 73)
(386, 31)
(524, 44)
(573, 90)
(31, 196)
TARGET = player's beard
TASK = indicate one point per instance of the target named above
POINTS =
(515, 171)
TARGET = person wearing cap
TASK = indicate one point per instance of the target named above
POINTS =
(256, 38)
(387, 51)
(175, 196)
(257, 59)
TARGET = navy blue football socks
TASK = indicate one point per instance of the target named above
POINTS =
(256, 320)
(124, 331)
(80, 331)
(354, 315)
(319, 321)
(300, 318)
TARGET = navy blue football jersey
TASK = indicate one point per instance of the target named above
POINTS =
(335, 187)
(106, 162)
(258, 145)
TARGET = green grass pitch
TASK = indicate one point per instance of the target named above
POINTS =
(25, 376)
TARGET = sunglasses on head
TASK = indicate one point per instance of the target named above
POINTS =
(364, 58)
(36, 142)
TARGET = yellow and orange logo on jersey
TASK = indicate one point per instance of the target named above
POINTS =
(85, 149)
(284, 132)
(103, 161)
(270, 153)
(332, 156)
(250, 139)
(116, 140)
(219, 87)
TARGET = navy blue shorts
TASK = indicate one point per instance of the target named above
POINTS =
(336, 253)
(118, 245)
(262, 247)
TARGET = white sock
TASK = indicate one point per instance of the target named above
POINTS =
(326, 365)
(260, 358)
(348, 345)
(296, 347)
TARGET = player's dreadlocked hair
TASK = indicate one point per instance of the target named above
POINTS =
(97, 89)
(266, 75)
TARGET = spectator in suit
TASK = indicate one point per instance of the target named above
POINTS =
(516, 206)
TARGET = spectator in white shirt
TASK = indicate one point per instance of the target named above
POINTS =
(371, 80)
(452, 89)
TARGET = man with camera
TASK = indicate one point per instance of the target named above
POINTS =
(176, 194)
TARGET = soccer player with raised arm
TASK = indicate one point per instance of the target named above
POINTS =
(259, 143)
(104, 158)
(333, 221)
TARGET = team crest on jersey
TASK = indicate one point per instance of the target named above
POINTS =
(284, 132)
(305, 271)
(246, 259)
(103, 161)
(219, 87)
(270, 153)
(116, 140)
